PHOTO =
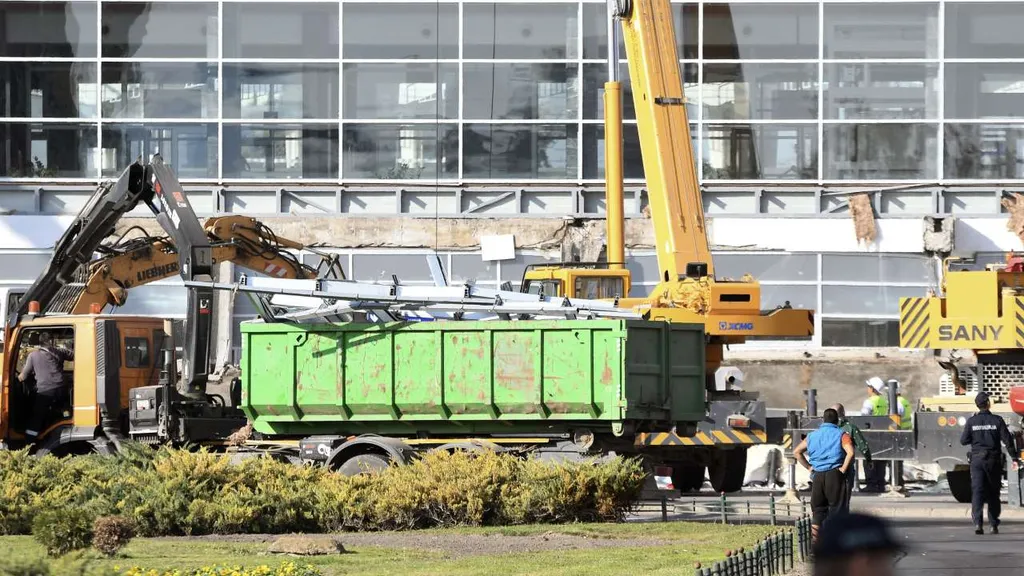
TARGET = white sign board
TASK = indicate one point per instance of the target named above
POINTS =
(498, 247)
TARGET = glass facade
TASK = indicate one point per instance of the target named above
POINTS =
(477, 92)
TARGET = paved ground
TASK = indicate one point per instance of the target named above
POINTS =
(936, 528)
(950, 548)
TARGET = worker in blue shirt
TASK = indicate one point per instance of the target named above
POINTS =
(829, 454)
(983, 432)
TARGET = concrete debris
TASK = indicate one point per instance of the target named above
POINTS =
(863, 217)
(938, 234)
(1015, 206)
(240, 436)
(306, 545)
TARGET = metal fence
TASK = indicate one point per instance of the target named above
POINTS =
(774, 555)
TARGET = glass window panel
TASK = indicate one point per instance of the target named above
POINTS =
(760, 151)
(760, 91)
(160, 30)
(595, 31)
(976, 90)
(632, 160)
(742, 31)
(281, 151)
(882, 268)
(402, 91)
(854, 91)
(287, 91)
(471, 267)
(866, 300)
(418, 30)
(23, 266)
(48, 29)
(159, 90)
(984, 29)
(643, 268)
(595, 76)
(47, 150)
(984, 151)
(164, 300)
(519, 151)
(881, 30)
(380, 267)
(280, 30)
(521, 91)
(860, 333)
(880, 151)
(47, 89)
(528, 31)
(776, 295)
(401, 152)
(189, 149)
(803, 267)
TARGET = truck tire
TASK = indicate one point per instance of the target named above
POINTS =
(688, 477)
(960, 484)
(364, 464)
(728, 469)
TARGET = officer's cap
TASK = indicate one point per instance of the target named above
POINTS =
(981, 399)
(851, 533)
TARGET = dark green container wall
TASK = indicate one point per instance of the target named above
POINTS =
(471, 377)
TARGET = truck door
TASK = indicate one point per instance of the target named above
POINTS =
(138, 359)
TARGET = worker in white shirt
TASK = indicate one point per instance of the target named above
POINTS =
(877, 404)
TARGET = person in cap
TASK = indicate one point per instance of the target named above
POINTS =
(856, 545)
(827, 453)
(877, 404)
(862, 446)
(983, 432)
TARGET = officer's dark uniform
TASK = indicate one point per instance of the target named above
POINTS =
(983, 432)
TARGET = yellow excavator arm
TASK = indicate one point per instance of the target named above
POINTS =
(242, 240)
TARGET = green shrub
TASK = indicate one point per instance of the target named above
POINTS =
(168, 492)
(61, 529)
(111, 533)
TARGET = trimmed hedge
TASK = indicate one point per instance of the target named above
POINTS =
(168, 492)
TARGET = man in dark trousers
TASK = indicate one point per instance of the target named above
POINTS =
(45, 365)
(983, 432)
(829, 453)
(862, 446)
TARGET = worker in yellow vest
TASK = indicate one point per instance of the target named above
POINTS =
(903, 407)
(877, 404)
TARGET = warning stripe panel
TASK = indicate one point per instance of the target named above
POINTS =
(1018, 323)
(715, 437)
(915, 329)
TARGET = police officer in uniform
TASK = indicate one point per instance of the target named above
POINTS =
(983, 432)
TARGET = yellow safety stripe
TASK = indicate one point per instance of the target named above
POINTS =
(716, 437)
(915, 329)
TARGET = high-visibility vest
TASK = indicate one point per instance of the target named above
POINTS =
(879, 405)
(907, 420)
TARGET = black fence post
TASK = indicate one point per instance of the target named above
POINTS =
(722, 504)
(664, 508)
(771, 507)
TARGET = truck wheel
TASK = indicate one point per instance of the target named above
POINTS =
(960, 484)
(728, 469)
(688, 477)
(364, 464)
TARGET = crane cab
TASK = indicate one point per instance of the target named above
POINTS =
(590, 280)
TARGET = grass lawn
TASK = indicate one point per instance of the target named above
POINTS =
(584, 549)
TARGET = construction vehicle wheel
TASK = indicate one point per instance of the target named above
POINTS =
(364, 464)
(960, 484)
(687, 477)
(728, 469)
